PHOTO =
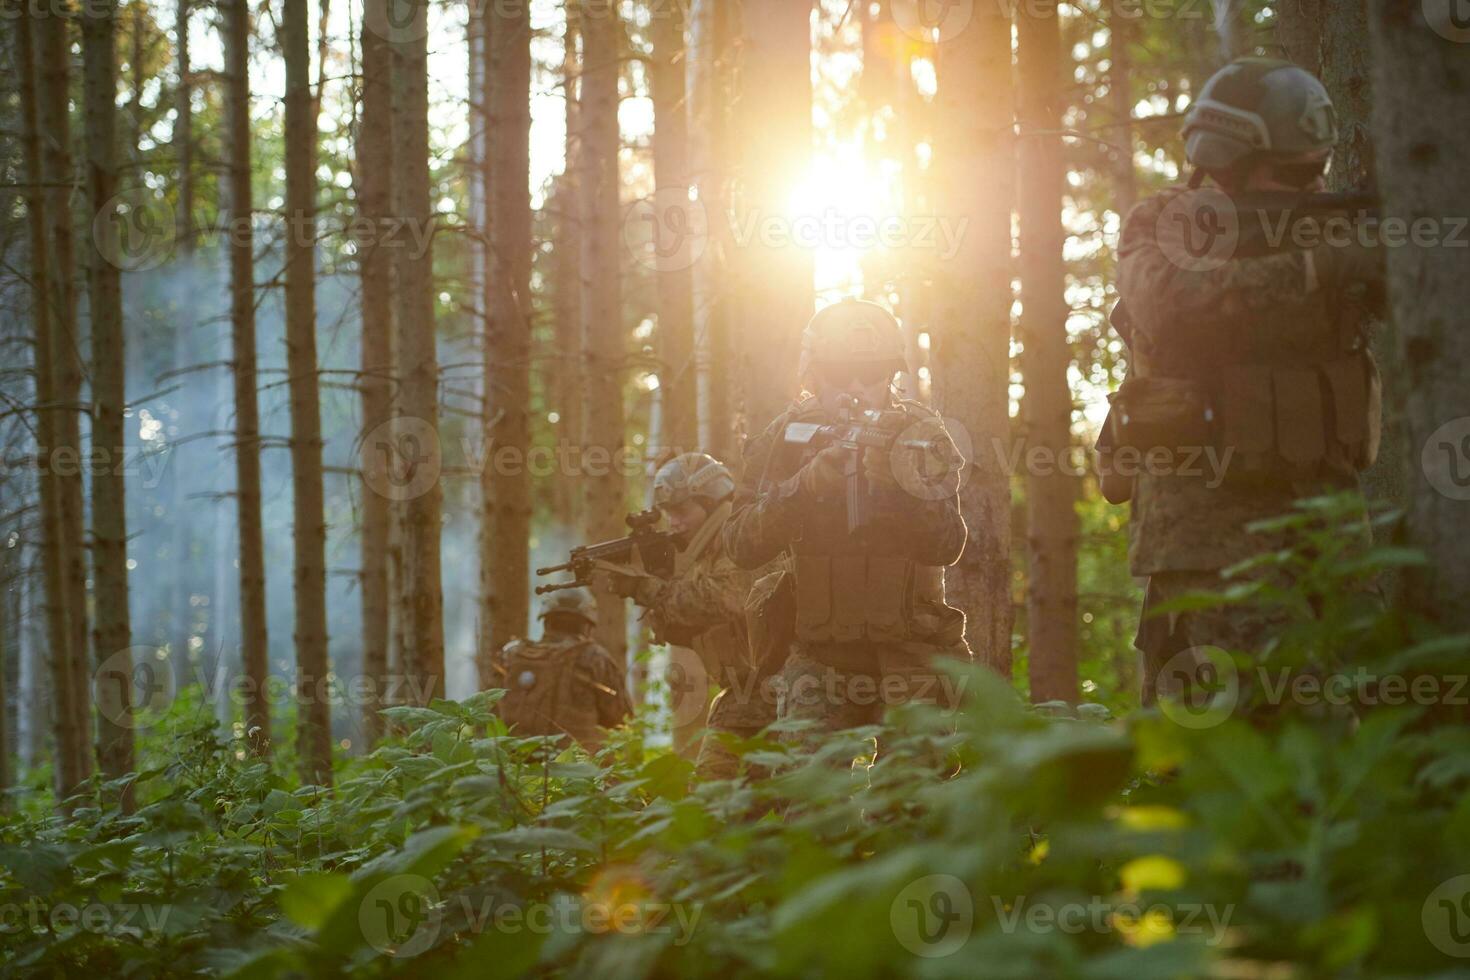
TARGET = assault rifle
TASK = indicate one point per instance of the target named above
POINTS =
(655, 550)
(858, 430)
(1257, 223)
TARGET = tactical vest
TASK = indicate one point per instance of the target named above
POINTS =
(1294, 410)
(850, 592)
(548, 689)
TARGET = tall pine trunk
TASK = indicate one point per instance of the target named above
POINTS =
(506, 491)
(1420, 76)
(71, 743)
(375, 265)
(254, 642)
(564, 373)
(54, 62)
(709, 90)
(309, 530)
(775, 281)
(602, 302)
(671, 177)
(421, 599)
(971, 334)
(113, 630)
(1051, 492)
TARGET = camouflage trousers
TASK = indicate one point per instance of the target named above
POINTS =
(851, 685)
(1161, 638)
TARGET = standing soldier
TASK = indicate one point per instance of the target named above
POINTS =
(867, 531)
(702, 607)
(1258, 354)
(563, 684)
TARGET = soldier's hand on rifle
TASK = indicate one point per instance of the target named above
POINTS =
(625, 582)
(822, 477)
(878, 469)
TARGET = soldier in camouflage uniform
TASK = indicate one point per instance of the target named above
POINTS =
(565, 683)
(1261, 357)
(869, 611)
(703, 608)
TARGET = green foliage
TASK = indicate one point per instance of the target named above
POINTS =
(1288, 840)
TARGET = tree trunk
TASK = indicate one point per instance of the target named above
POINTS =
(562, 368)
(710, 65)
(1120, 97)
(603, 459)
(375, 264)
(506, 491)
(971, 333)
(113, 635)
(181, 549)
(309, 531)
(676, 374)
(421, 595)
(54, 63)
(1420, 75)
(775, 280)
(70, 741)
(1051, 492)
(254, 645)
(183, 135)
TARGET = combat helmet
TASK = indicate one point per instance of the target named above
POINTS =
(691, 476)
(1257, 107)
(573, 602)
(852, 331)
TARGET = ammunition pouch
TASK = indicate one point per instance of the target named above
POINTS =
(856, 598)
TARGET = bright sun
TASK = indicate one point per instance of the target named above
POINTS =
(844, 210)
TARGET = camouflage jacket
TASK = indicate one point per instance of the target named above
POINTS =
(703, 605)
(1193, 318)
(560, 686)
(917, 531)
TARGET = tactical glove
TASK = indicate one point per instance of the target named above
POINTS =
(823, 477)
(878, 469)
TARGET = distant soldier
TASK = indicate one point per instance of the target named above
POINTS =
(1257, 354)
(564, 683)
(867, 530)
(702, 607)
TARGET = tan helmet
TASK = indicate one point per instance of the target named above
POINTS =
(852, 331)
(574, 602)
(691, 475)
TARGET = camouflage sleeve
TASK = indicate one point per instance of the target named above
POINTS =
(767, 513)
(924, 514)
(615, 707)
(709, 595)
(1168, 288)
